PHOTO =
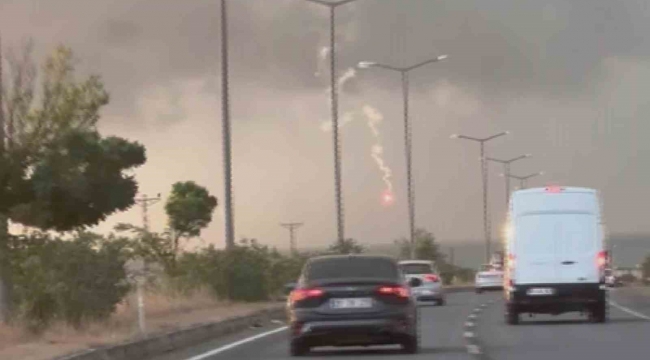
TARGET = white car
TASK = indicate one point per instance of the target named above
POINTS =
(488, 278)
(431, 289)
(556, 256)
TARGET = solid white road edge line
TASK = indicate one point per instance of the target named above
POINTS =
(237, 343)
(629, 311)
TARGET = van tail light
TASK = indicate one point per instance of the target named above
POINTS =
(303, 294)
(398, 291)
(431, 278)
(601, 259)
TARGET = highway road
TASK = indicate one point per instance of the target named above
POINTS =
(471, 326)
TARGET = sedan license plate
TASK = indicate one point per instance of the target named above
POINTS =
(540, 291)
(354, 303)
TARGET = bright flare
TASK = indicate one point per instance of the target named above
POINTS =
(388, 198)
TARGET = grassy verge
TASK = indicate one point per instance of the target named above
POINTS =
(164, 313)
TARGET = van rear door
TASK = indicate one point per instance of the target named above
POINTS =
(556, 247)
(577, 248)
(534, 249)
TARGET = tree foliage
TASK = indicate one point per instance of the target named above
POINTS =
(426, 247)
(71, 280)
(60, 173)
(189, 210)
(347, 246)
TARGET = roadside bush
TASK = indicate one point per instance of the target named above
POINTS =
(248, 272)
(72, 280)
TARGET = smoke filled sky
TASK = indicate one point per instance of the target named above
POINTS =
(570, 80)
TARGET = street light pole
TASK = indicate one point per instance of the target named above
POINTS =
(225, 109)
(523, 179)
(335, 121)
(506, 168)
(486, 225)
(404, 71)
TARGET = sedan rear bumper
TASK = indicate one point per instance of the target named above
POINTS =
(352, 332)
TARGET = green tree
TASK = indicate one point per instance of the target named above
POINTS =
(74, 280)
(58, 172)
(153, 247)
(426, 247)
(347, 246)
(61, 174)
(189, 210)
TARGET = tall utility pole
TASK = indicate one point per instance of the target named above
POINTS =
(506, 171)
(340, 224)
(486, 224)
(144, 202)
(404, 71)
(225, 111)
(292, 236)
(5, 303)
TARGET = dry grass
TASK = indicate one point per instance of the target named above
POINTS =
(164, 313)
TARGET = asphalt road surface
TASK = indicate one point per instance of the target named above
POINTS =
(471, 326)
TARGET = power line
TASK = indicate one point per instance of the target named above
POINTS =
(145, 202)
(292, 235)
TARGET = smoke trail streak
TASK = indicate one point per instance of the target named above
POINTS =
(320, 62)
(374, 117)
(326, 126)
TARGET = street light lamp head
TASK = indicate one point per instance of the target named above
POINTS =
(453, 136)
(541, 173)
(507, 132)
(442, 57)
(528, 155)
(366, 64)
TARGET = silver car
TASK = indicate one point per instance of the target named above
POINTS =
(432, 290)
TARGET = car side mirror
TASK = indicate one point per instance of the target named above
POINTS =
(415, 282)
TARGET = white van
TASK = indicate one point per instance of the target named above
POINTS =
(556, 254)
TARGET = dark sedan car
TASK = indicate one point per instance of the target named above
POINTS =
(352, 300)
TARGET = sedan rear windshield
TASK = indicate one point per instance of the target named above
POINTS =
(413, 269)
(353, 267)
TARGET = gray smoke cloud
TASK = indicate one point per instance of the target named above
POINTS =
(567, 78)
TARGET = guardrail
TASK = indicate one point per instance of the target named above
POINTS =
(179, 339)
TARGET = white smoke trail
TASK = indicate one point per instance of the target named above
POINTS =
(320, 60)
(374, 117)
(348, 116)
(347, 75)
(326, 126)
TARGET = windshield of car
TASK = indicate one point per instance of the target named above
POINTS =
(351, 267)
(412, 269)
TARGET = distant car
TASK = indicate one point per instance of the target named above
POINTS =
(352, 300)
(488, 278)
(431, 289)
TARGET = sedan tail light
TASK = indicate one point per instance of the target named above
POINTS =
(398, 291)
(303, 294)
(431, 278)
